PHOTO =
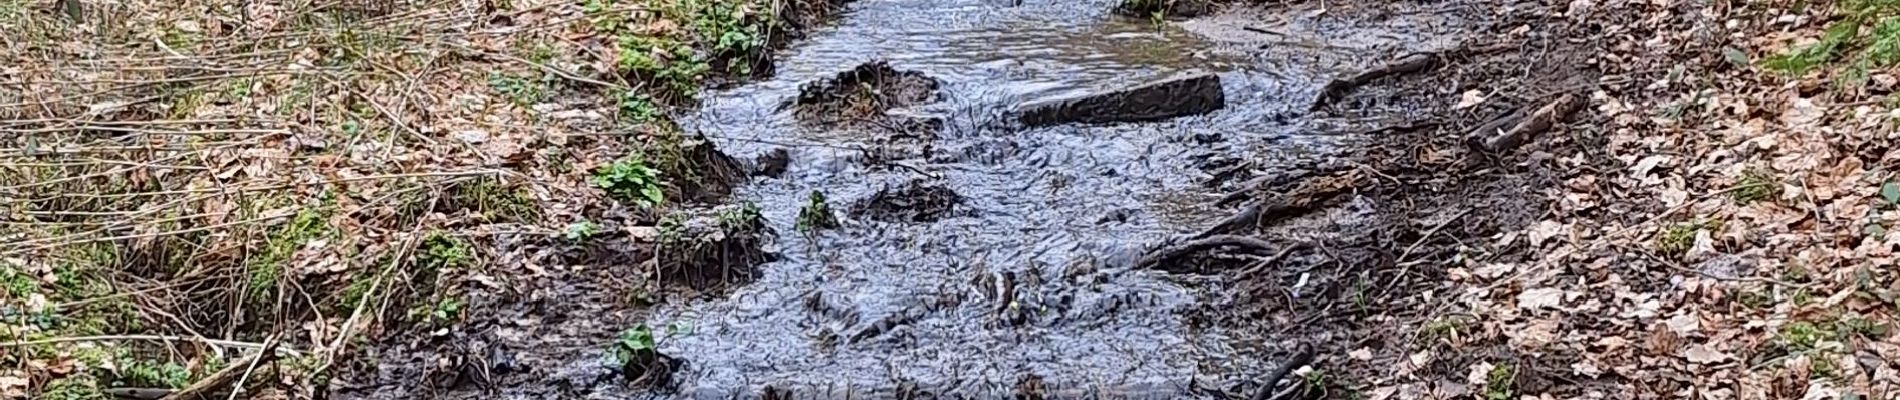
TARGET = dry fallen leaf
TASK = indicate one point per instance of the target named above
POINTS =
(1702, 354)
(1540, 298)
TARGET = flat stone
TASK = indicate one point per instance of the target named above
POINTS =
(1184, 94)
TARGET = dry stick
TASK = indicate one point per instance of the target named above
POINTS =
(239, 386)
(1404, 65)
(349, 325)
(284, 186)
(50, 245)
(154, 338)
(1429, 234)
(551, 70)
(225, 376)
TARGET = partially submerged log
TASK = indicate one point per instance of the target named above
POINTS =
(1311, 194)
(1184, 94)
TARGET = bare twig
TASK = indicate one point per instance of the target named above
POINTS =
(158, 338)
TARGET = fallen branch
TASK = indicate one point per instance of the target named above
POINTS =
(226, 376)
(1338, 88)
(158, 338)
(1537, 122)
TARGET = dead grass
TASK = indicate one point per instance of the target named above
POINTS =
(215, 170)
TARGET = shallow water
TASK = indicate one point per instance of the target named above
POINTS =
(1034, 208)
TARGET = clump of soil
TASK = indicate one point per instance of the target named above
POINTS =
(865, 97)
(772, 163)
(712, 251)
(913, 202)
(703, 173)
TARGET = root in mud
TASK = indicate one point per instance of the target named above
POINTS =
(712, 251)
(912, 202)
(870, 97)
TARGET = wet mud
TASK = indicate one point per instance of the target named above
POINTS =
(1181, 258)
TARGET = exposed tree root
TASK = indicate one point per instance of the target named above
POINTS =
(1156, 258)
(1310, 195)
(1406, 64)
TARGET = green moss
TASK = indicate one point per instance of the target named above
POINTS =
(1808, 58)
(266, 267)
(441, 251)
(1680, 237)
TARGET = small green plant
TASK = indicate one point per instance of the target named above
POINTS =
(743, 217)
(1360, 296)
(143, 373)
(672, 228)
(1315, 384)
(1500, 382)
(1802, 336)
(632, 342)
(522, 91)
(637, 108)
(632, 180)
(581, 231)
(734, 31)
(669, 64)
(1680, 237)
(439, 251)
(1444, 328)
(77, 387)
(1755, 185)
(816, 215)
(447, 309)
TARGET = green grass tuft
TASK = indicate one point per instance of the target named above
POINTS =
(1755, 185)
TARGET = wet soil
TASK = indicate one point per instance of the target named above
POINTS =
(1062, 261)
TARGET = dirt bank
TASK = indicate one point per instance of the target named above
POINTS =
(399, 186)
(1660, 242)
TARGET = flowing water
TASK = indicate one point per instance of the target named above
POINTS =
(1023, 287)
(1042, 208)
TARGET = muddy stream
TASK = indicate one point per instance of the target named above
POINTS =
(1022, 285)
(916, 306)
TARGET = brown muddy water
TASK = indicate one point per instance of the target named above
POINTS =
(1023, 286)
